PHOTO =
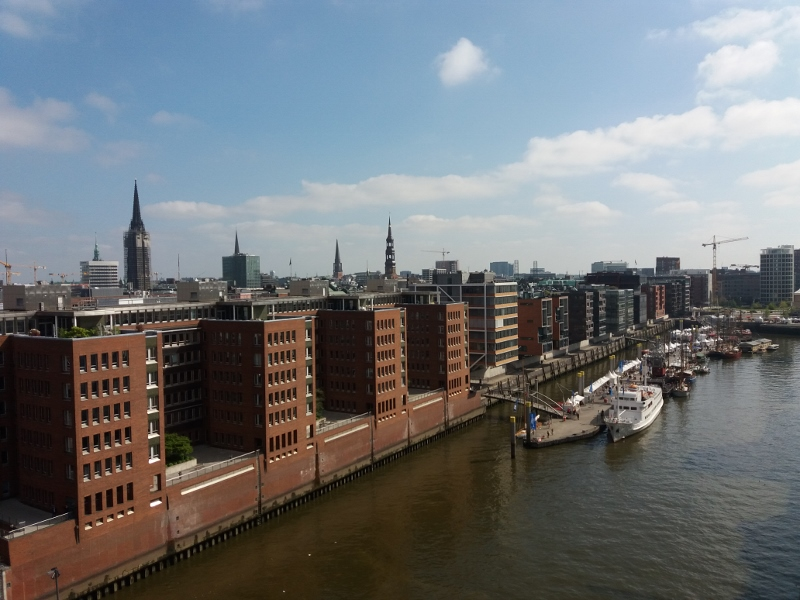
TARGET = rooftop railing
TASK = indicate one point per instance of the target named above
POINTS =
(203, 470)
(20, 531)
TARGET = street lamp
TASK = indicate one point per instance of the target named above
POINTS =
(54, 575)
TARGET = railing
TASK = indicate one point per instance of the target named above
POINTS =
(15, 533)
(415, 397)
(199, 471)
(547, 402)
(328, 425)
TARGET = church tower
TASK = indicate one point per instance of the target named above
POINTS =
(338, 272)
(390, 267)
(136, 242)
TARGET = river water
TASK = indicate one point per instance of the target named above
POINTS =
(704, 504)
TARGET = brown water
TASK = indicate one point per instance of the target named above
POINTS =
(704, 504)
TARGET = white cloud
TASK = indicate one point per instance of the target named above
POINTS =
(25, 18)
(647, 183)
(104, 104)
(14, 209)
(678, 207)
(39, 125)
(746, 24)
(163, 117)
(735, 64)
(117, 153)
(761, 118)
(462, 63)
(181, 209)
(426, 223)
(782, 180)
(583, 152)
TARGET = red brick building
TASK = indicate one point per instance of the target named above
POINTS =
(656, 301)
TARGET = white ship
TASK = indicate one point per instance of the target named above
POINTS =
(634, 409)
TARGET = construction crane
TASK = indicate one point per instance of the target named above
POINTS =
(745, 266)
(9, 272)
(35, 268)
(443, 252)
(62, 275)
(714, 281)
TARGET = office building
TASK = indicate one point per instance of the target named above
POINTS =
(241, 270)
(98, 273)
(666, 264)
(609, 265)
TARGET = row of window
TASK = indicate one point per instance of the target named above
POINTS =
(178, 378)
(109, 466)
(32, 412)
(95, 502)
(96, 361)
(105, 439)
(36, 438)
(184, 416)
(33, 387)
(35, 464)
(107, 413)
(103, 387)
(192, 395)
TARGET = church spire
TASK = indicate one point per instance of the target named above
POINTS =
(96, 249)
(136, 221)
(390, 266)
(338, 272)
(236, 246)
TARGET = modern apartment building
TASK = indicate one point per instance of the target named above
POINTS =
(777, 275)
(666, 264)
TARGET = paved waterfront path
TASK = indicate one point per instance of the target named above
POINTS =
(560, 431)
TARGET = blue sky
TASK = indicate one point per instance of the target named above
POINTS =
(557, 132)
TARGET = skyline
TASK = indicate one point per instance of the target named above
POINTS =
(562, 134)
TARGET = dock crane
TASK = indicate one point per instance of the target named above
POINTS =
(443, 252)
(714, 281)
(35, 268)
(62, 275)
(9, 272)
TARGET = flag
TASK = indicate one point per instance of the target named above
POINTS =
(533, 419)
(590, 387)
(516, 401)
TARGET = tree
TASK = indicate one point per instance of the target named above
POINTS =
(178, 448)
(76, 332)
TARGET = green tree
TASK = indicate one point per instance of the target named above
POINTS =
(76, 332)
(178, 448)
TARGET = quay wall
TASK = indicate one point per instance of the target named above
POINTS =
(199, 512)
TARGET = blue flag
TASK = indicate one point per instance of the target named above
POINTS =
(533, 420)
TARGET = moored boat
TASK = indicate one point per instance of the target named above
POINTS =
(773, 347)
(635, 408)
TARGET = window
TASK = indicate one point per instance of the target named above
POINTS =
(105, 387)
(95, 388)
(85, 444)
(129, 492)
(126, 407)
(118, 437)
(93, 362)
(96, 442)
(155, 452)
(84, 391)
(118, 460)
(156, 485)
(116, 412)
(115, 359)
(96, 415)
(82, 363)
(98, 503)
(126, 384)
(120, 495)
(104, 360)
(69, 445)
(124, 358)
(98, 472)
(115, 383)
(87, 472)
(129, 460)
(68, 418)
(107, 439)
(67, 391)
(127, 435)
(106, 414)
(108, 466)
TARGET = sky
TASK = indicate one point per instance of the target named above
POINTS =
(556, 132)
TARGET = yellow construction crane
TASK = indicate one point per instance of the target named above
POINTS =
(35, 268)
(9, 272)
(443, 252)
(714, 281)
(62, 275)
